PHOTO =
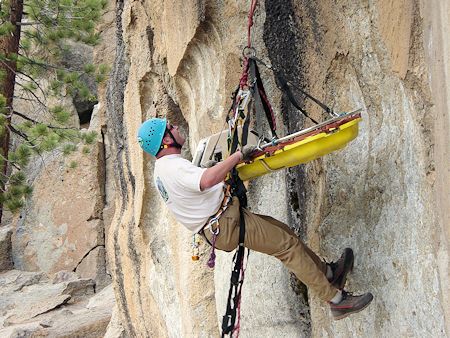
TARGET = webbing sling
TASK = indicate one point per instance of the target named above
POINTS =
(237, 278)
(261, 101)
(287, 90)
(236, 281)
(285, 86)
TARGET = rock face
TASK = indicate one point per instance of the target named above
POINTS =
(62, 225)
(58, 241)
(6, 262)
(33, 306)
(385, 195)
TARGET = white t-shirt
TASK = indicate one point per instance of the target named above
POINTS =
(178, 182)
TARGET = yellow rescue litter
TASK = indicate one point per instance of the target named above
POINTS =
(303, 146)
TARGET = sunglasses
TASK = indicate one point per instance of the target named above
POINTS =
(169, 127)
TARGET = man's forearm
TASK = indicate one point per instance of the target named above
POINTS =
(217, 174)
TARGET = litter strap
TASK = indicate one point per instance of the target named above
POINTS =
(285, 84)
(261, 101)
(287, 90)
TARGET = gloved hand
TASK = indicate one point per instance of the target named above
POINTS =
(209, 164)
(247, 152)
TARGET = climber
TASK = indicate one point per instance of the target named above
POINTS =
(194, 195)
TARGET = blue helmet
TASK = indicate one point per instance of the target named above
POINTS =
(150, 135)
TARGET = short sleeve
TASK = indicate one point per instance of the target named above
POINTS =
(190, 176)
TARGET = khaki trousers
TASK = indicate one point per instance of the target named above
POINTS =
(267, 235)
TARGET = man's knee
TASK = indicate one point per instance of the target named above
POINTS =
(226, 245)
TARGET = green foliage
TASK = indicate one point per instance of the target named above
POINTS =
(17, 178)
(65, 19)
(60, 114)
(89, 138)
(52, 25)
(3, 110)
(89, 68)
(2, 75)
(69, 148)
(6, 28)
(14, 204)
(101, 74)
(86, 150)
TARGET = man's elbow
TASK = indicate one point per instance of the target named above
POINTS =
(207, 181)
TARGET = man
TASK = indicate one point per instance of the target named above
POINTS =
(196, 194)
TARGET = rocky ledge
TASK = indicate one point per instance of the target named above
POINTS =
(34, 305)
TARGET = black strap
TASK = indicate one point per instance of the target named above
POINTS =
(233, 142)
(238, 188)
(285, 84)
(244, 138)
(262, 103)
(236, 281)
(287, 90)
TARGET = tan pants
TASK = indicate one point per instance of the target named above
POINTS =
(267, 235)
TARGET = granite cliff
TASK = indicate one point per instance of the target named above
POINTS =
(386, 195)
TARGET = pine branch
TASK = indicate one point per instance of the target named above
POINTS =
(34, 81)
(19, 133)
(28, 23)
(27, 90)
(19, 72)
(10, 162)
(20, 85)
(36, 122)
(23, 98)
(49, 66)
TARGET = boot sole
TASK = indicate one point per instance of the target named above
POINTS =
(353, 312)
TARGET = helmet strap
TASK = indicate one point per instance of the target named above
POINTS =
(175, 144)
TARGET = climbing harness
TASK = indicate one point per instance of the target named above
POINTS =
(214, 220)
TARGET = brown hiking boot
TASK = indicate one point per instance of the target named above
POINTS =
(341, 268)
(350, 304)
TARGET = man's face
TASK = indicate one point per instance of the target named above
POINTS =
(176, 133)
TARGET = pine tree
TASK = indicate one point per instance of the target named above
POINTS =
(34, 35)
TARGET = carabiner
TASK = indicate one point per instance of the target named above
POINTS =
(214, 233)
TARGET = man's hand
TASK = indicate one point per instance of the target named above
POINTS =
(247, 152)
(209, 164)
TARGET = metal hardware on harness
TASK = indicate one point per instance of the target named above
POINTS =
(242, 98)
(215, 219)
(210, 228)
(249, 52)
(195, 248)
(224, 205)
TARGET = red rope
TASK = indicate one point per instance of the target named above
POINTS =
(250, 22)
(244, 77)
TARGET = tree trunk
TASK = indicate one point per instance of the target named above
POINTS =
(9, 44)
